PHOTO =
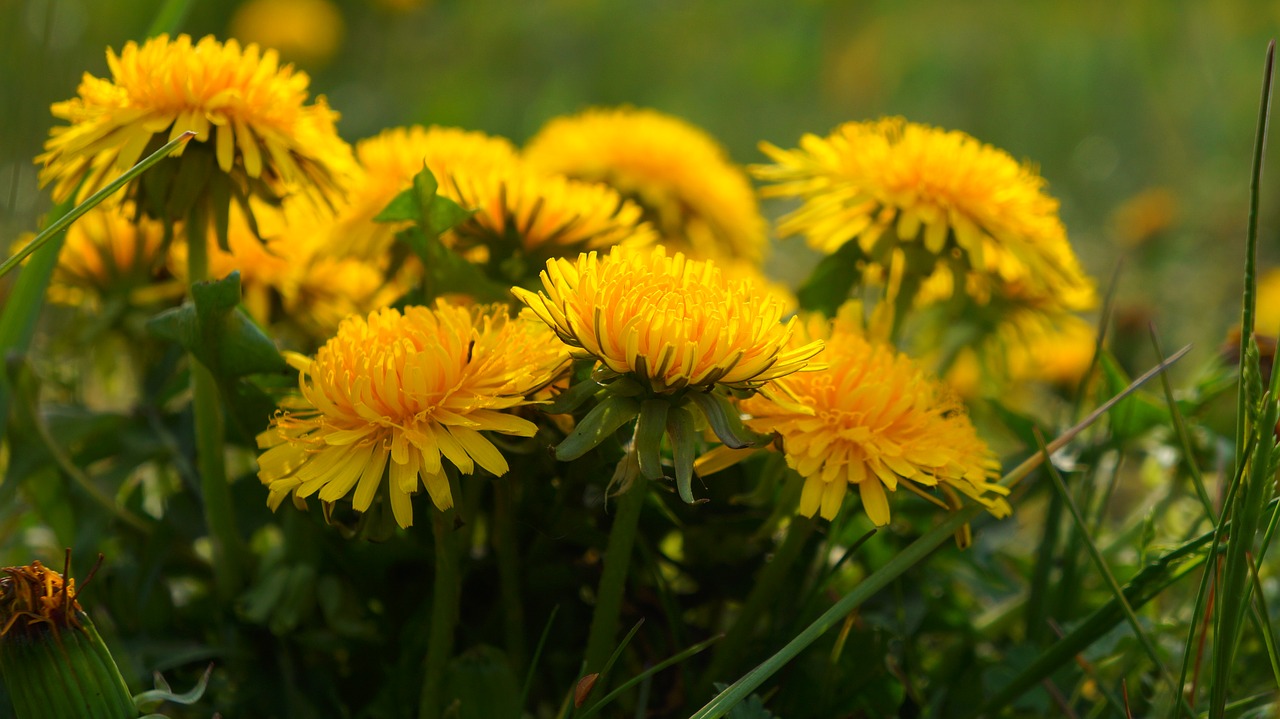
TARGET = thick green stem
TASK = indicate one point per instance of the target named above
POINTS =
(219, 514)
(769, 583)
(445, 595)
(613, 582)
(508, 554)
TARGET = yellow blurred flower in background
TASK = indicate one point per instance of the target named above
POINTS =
(669, 322)
(1144, 216)
(1056, 353)
(697, 199)
(249, 114)
(304, 31)
(406, 391)
(107, 252)
(920, 200)
(874, 420)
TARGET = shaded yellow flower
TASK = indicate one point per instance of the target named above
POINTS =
(917, 199)
(695, 197)
(406, 391)
(388, 163)
(1144, 216)
(1266, 318)
(874, 420)
(309, 31)
(1056, 352)
(667, 321)
(247, 110)
(107, 251)
(528, 216)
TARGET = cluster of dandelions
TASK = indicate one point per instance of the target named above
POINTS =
(635, 246)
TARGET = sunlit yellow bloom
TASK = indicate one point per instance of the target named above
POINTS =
(534, 216)
(667, 321)
(246, 109)
(388, 163)
(107, 251)
(1057, 352)
(918, 199)
(308, 31)
(697, 199)
(873, 419)
(404, 391)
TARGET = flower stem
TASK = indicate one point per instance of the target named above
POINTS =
(508, 554)
(613, 581)
(211, 434)
(764, 593)
(445, 595)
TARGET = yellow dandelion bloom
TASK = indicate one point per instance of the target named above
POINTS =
(388, 163)
(697, 199)
(874, 420)
(667, 321)
(1025, 349)
(107, 251)
(915, 197)
(309, 31)
(245, 108)
(524, 214)
(406, 391)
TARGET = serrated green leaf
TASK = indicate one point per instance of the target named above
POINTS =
(402, 208)
(217, 332)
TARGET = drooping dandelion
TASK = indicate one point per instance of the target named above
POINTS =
(872, 422)
(253, 128)
(919, 200)
(107, 252)
(694, 196)
(671, 336)
(396, 394)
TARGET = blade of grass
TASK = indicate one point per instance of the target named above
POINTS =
(604, 671)
(537, 654)
(94, 200)
(1262, 622)
(1101, 563)
(675, 659)
(1184, 437)
(170, 17)
(908, 557)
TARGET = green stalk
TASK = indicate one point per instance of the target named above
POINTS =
(507, 553)
(445, 596)
(613, 580)
(219, 513)
(764, 592)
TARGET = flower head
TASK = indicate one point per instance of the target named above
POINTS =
(388, 163)
(531, 216)
(309, 31)
(667, 321)
(696, 198)
(874, 420)
(247, 111)
(406, 391)
(106, 251)
(917, 198)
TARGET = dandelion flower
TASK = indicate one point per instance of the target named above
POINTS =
(107, 251)
(917, 198)
(873, 420)
(388, 163)
(668, 321)
(694, 196)
(309, 31)
(407, 391)
(523, 218)
(248, 113)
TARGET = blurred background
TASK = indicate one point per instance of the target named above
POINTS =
(1140, 115)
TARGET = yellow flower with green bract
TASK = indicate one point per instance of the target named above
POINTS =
(249, 114)
(695, 197)
(107, 251)
(872, 420)
(918, 199)
(403, 392)
(671, 337)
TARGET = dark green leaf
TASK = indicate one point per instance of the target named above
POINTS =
(599, 424)
(218, 333)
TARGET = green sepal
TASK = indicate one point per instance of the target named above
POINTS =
(599, 424)
(572, 398)
(626, 387)
(650, 427)
(217, 332)
(832, 280)
(725, 421)
(684, 436)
